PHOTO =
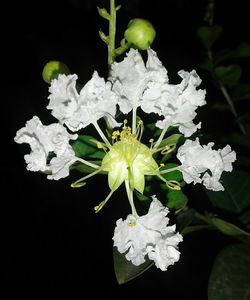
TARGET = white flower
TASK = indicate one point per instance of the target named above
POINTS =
(78, 110)
(45, 141)
(148, 234)
(202, 164)
(175, 103)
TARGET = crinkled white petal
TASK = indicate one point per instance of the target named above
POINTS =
(77, 111)
(139, 236)
(60, 165)
(202, 164)
(45, 141)
(165, 252)
(156, 71)
(63, 97)
(96, 101)
(129, 79)
(176, 104)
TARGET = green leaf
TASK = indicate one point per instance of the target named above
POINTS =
(153, 130)
(228, 75)
(176, 199)
(125, 270)
(228, 228)
(230, 274)
(85, 146)
(208, 35)
(236, 196)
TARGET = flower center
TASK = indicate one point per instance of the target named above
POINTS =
(128, 159)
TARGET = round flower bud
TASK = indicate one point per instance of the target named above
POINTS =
(52, 69)
(140, 33)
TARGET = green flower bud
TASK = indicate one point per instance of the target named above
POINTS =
(140, 33)
(52, 69)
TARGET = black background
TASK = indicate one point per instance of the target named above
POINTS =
(55, 247)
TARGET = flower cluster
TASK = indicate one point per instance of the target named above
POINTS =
(132, 85)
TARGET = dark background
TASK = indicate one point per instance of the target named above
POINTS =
(55, 246)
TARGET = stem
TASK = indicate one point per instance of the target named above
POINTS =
(232, 108)
(98, 129)
(112, 28)
(205, 219)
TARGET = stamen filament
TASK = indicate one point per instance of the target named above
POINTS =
(80, 183)
(172, 184)
(100, 206)
(160, 138)
(87, 163)
(170, 170)
(102, 135)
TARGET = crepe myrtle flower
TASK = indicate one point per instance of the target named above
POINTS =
(50, 149)
(202, 164)
(148, 235)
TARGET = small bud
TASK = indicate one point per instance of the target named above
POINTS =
(140, 33)
(52, 69)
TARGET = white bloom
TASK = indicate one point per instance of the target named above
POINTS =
(78, 110)
(45, 141)
(148, 234)
(175, 103)
(202, 164)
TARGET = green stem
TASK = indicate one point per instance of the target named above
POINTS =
(112, 28)
(232, 108)
(207, 220)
